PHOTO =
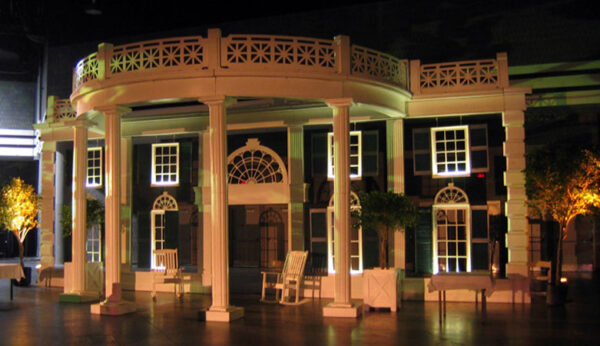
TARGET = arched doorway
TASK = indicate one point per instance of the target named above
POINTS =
(164, 221)
(272, 239)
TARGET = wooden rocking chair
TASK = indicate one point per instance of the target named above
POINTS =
(167, 271)
(288, 282)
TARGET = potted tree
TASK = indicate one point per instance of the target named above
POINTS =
(561, 185)
(19, 206)
(384, 213)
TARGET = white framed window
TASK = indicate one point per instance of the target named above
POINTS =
(93, 244)
(165, 164)
(356, 255)
(94, 168)
(450, 151)
(162, 204)
(355, 155)
(451, 231)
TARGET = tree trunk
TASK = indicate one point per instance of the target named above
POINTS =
(383, 249)
(559, 255)
(21, 250)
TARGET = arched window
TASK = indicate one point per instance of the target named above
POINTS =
(163, 211)
(272, 238)
(451, 231)
(255, 164)
(356, 257)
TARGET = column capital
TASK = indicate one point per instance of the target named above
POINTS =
(112, 110)
(217, 99)
(339, 102)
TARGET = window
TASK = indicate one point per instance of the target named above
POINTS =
(450, 151)
(356, 257)
(164, 220)
(451, 231)
(93, 244)
(165, 164)
(94, 167)
(355, 155)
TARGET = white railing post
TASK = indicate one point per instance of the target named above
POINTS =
(103, 58)
(343, 54)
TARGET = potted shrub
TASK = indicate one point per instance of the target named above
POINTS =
(562, 184)
(384, 213)
(19, 206)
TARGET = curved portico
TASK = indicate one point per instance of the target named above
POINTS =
(216, 71)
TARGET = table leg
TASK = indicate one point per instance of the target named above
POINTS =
(444, 296)
(483, 303)
(440, 305)
(10, 283)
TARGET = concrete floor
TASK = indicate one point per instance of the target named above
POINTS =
(35, 317)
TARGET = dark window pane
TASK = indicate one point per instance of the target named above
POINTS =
(479, 159)
(421, 140)
(462, 265)
(479, 256)
(478, 137)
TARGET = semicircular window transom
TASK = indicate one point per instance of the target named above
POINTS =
(255, 164)
(354, 201)
(451, 195)
(165, 202)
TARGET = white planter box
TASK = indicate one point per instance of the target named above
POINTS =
(380, 288)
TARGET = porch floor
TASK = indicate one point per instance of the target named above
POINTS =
(35, 317)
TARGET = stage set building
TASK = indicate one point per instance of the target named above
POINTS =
(237, 149)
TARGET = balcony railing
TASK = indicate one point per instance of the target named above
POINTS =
(246, 54)
(462, 76)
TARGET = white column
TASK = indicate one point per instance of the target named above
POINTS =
(220, 309)
(517, 239)
(113, 305)
(79, 206)
(59, 177)
(395, 159)
(342, 305)
(296, 179)
(47, 213)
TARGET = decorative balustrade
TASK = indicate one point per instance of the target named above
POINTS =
(294, 53)
(260, 54)
(63, 110)
(371, 63)
(158, 54)
(458, 76)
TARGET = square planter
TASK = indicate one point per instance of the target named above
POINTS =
(380, 288)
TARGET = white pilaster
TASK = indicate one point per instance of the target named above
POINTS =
(296, 178)
(220, 310)
(113, 305)
(395, 159)
(342, 305)
(59, 176)
(48, 209)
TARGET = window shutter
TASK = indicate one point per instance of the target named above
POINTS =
(423, 234)
(185, 157)
(479, 148)
(143, 243)
(479, 239)
(370, 153)
(171, 229)
(479, 228)
(421, 152)
(319, 154)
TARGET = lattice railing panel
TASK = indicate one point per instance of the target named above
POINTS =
(63, 110)
(478, 74)
(158, 54)
(370, 63)
(87, 69)
(278, 52)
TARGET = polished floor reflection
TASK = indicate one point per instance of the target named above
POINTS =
(36, 318)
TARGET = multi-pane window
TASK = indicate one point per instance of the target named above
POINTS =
(356, 256)
(355, 155)
(93, 244)
(94, 167)
(452, 231)
(450, 151)
(165, 164)
(158, 232)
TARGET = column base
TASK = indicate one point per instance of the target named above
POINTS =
(113, 308)
(341, 310)
(517, 268)
(79, 297)
(230, 314)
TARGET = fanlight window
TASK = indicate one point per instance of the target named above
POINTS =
(451, 231)
(255, 164)
(356, 257)
(162, 204)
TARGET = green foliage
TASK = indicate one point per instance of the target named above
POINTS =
(94, 216)
(562, 183)
(19, 207)
(385, 212)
